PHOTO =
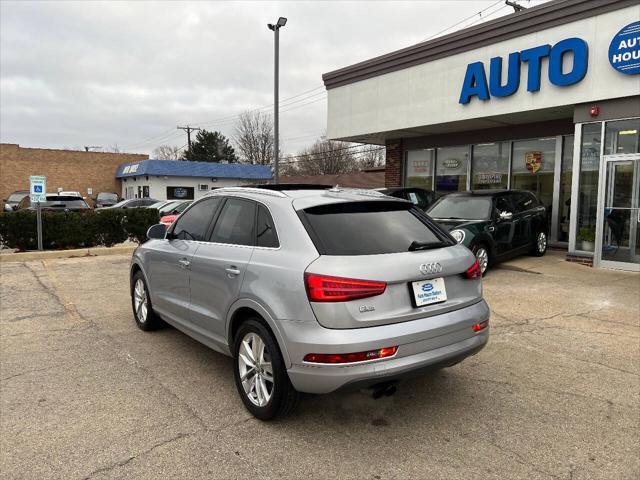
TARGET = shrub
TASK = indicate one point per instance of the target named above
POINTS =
(62, 230)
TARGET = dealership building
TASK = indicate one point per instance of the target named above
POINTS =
(546, 100)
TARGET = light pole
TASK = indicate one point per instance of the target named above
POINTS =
(276, 148)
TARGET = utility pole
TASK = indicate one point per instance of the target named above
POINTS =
(516, 7)
(276, 93)
(188, 129)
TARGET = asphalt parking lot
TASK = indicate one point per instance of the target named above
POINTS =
(85, 394)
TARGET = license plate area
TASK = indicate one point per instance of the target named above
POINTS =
(428, 292)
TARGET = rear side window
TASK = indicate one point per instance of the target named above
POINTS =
(524, 201)
(266, 235)
(193, 225)
(368, 228)
(235, 223)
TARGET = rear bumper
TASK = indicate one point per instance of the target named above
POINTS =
(424, 343)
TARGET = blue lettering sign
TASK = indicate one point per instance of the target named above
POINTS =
(513, 76)
(624, 50)
(533, 56)
(475, 83)
(475, 79)
(580, 61)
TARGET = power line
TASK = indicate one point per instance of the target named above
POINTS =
(292, 159)
(462, 21)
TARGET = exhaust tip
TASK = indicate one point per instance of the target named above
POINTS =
(383, 389)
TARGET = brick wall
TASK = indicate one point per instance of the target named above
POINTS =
(68, 169)
(394, 163)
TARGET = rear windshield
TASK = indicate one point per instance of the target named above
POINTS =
(369, 228)
(107, 196)
(457, 207)
(64, 202)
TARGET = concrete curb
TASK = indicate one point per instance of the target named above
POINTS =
(76, 253)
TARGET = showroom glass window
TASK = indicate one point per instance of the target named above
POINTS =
(419, 170)
(532, 167)
(622, 136)
(451, 169)
(564, 195)
(588, 186)
(489, 166)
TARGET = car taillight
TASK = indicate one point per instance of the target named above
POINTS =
(350, 357)
(473, 271)
(476, 327)
(323, 288)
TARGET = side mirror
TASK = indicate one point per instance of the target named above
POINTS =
(157, 231)
(506, 215)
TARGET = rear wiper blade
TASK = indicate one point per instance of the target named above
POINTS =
(415, 245)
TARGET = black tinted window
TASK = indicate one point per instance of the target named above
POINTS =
(266, 235)
(523, 201)
(503, 205)
(193, 224)
(366, 228)
(235, 223)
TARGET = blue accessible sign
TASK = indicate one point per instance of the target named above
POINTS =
(37, 188)
(624, 50)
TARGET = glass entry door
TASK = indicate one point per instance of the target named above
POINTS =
(618, 234)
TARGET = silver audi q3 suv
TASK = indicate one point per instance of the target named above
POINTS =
(312, 289)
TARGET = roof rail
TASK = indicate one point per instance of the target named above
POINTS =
(283, 187)
(261, 191)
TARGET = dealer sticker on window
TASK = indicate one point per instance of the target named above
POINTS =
(431, 291)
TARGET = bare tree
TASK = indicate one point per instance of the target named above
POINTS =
(254, 137)
(370, 156)
(324, 157)
(167, 152)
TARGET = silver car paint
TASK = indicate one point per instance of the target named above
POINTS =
(271, 283)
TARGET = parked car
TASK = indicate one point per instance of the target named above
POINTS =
(56, 202)
(174, 212)
(420, 197)
(14, 199)
(106, 199)
(494, 224)
(311, 290)
(158, 205)
(134, 203)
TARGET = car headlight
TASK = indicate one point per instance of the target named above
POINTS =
(458, 235)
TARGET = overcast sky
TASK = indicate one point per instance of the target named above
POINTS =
(127, 73)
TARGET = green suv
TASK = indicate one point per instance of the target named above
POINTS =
(494, 224)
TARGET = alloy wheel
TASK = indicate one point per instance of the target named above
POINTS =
(482, 256)
(256, 370)
(542, 242)
(140, 301)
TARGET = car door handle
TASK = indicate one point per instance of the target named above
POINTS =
(232, 270)
(184, 263)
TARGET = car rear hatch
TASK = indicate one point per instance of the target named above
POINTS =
(384, 262)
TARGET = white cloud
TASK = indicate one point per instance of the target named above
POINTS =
(101, 73)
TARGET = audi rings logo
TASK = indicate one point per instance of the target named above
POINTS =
(430, 268)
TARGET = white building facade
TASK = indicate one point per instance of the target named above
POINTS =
(547, 100)
(183, 180)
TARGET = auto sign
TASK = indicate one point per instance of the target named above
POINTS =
(533, 161)
(624, 50)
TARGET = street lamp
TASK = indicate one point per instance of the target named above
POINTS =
(276, 150)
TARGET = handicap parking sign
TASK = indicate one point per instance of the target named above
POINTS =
(37, 188)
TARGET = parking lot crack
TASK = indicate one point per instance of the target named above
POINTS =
(125, 461)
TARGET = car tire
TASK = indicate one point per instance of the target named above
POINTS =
(540, 244)
(267, 395)
(483, 256)
(146, 319)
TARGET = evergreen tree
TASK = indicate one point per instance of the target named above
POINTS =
(211, 147)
